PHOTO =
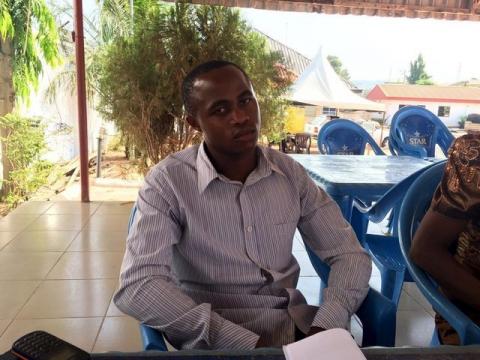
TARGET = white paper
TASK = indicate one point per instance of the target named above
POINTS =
(334, 344)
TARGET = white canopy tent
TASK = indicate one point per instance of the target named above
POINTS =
(320, 85)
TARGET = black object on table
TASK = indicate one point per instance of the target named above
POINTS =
(438, 353)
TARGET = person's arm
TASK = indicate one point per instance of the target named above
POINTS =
(431, 250)
(331, 238)
(148, 291)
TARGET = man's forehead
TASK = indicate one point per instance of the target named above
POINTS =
(226, 76)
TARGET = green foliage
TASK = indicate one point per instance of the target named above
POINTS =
(31, 29)
(338, 67)
(417, 74)
(23, 144)
(114, 21)
(140, 75)
(115, 143)
(461, 122)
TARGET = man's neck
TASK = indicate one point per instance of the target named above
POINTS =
(235, 168)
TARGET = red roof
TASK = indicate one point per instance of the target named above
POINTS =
(425, 93)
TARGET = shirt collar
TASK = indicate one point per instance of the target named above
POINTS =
(205, 169)
(207, 172)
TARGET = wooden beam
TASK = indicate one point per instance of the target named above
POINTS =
(436, 9)
(81, 100)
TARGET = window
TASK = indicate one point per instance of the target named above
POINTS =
(403, 105)
(444, 111)
(329, 111)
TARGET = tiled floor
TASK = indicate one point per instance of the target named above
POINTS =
(59, 264)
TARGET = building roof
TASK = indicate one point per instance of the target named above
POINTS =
(432, 93)
(292, 59)
(436, 9)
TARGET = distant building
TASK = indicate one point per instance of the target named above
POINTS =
(449, 103)
(471, 82)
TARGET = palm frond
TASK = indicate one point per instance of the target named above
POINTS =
(6, 25)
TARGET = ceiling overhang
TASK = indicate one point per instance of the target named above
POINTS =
(435, 9)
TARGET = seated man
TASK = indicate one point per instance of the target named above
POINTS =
(209, 256)
(447, 243)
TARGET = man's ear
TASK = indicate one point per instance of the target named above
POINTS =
(193, 122)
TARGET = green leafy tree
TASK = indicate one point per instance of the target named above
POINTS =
(28, 36)
(338, 67)
(140, 75)
(418, 74)
(30, 29)
(112, 19)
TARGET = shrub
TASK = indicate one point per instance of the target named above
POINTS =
(23, 143)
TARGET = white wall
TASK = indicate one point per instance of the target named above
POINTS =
(457, 110)
(62, 110)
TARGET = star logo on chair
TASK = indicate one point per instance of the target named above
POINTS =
(416, 133)
(344, 147)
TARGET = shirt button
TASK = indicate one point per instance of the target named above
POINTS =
(249, 229)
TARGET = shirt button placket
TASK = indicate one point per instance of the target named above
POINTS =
(248, 227)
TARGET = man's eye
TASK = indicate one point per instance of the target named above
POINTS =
(246, 101)
(220, 111)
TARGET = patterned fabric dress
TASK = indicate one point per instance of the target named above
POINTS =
(458, 196)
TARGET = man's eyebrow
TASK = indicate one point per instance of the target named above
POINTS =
(246, 92)
(222, 102)
(218, 103)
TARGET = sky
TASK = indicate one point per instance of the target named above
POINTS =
(378, 48)
(375, 49)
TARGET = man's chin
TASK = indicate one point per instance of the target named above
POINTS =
(245, 148)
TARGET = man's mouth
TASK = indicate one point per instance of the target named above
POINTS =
(245, 134)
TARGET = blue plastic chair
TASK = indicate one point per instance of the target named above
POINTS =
(345, 137)
(416, 131)
(377, 313)
(385, 249)
(414, 206)
(151, 338)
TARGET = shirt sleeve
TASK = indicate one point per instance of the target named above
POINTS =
(148, 289)
(458, 195)
(332, 239)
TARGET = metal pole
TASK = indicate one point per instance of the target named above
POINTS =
(81, 99)
(99, 157)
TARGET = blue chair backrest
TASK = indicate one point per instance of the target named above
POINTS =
(415, 131)
(414, 206)
(345, 137)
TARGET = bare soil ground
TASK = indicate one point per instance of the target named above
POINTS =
(116, 166)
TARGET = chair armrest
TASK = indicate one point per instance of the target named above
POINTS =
(392, 198)
(378, 316)
(152, 339)
(441, 304)
(378, 211)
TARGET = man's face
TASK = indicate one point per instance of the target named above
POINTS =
(226, 110)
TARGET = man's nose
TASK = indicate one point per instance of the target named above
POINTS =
(239, 116)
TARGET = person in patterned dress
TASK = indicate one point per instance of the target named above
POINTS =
(447, 243)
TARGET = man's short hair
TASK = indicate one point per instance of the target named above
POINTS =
(197, 71)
